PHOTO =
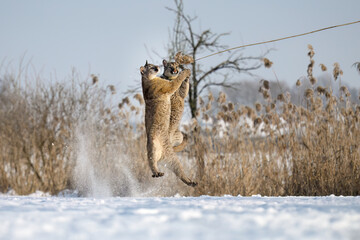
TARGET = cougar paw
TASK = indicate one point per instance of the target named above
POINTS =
(193, 184)
(187, 72)
(158, 174)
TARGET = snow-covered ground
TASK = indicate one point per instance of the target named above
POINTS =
(34, 217)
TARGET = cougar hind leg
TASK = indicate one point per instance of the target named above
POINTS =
(155, 150)
(175, 166)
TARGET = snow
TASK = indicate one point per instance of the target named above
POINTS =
(40, 216)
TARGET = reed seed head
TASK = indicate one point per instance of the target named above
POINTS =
(266, 84)
(312, 80)
(126, 101)
(95, 79)
(309, 93)
(206, 117)
(222, 98)
(225, 108)
(266, 94)
(267, 63)
(210, 97)
(139, 98)
(257, 121)
(281, 97)
(327, 95)
(321, 90)
(337, 71)
(311, 52)
(272, 105)
(112, 89)
(357, 111)
(183, 59)
(290, 106)
(323, 67)
(201, 101)
(250, 112)
(197, 113)
(231, 106)
(310, 68)
(266, 120)
(343, 89)
(258, 107)
(220, 115)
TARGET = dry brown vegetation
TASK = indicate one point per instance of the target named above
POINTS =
(76, 135)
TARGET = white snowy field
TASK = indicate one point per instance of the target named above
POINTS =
(33, 217)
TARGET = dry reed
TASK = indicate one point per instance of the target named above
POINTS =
(277, 148)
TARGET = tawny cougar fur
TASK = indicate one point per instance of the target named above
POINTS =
(157, 93)
(171, 72)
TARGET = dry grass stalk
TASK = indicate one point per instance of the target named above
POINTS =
(287, 149)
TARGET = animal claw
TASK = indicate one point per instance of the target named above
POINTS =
(158, 174)
(193, 184)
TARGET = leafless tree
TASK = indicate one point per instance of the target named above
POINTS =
(185, 38)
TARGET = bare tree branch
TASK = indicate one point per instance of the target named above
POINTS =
(186, 39)
(217, 84)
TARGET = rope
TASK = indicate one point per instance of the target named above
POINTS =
(279, 39)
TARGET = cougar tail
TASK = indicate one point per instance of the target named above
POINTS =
(182, 145)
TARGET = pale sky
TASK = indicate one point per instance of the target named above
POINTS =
(108, 38)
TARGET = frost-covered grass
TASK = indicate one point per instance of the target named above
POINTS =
(205, 217)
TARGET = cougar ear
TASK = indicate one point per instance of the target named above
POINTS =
(146, 63)
(164, 62)
(142, 70)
